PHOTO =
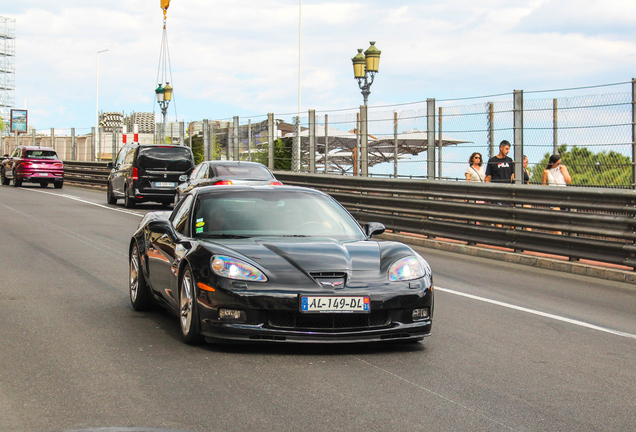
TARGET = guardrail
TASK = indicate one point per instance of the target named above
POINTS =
(595, 224)
(590, 223)
(91, 173)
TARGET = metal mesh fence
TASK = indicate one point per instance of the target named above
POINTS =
(593, 134)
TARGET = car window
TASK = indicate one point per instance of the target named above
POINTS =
(243, 171)
(130, 156)
(273, 213)
(41, 154)
(204, 171)
(196, 174)
(165, 157)
(180, 218)
(120, 157)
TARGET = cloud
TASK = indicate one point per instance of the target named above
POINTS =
(589, 17)
(241, 57)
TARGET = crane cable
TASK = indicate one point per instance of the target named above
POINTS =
(165, 67)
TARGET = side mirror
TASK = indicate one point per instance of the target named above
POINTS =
(373, 228)
(163, 225)
(109, 165)
(183, 178)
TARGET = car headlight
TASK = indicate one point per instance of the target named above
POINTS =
(233, 268)
(407, 268)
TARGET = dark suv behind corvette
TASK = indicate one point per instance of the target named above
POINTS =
(143, 173)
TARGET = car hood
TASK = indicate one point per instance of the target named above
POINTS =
(284, 260)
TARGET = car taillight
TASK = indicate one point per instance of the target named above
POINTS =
(58, 165)
(26, 164)
(275, 183)
(135, 175)
(223, 183)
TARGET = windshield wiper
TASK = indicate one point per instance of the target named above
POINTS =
(225, 236)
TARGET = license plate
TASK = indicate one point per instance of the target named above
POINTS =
(335, 304)
(42, 174)
(164, 184)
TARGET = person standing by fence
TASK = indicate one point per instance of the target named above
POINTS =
(500, 168)
(475, 171)
(556, 174)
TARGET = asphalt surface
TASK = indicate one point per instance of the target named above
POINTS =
(513, 347)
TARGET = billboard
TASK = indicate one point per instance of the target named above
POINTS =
(18, 121)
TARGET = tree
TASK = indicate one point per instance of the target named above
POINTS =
(2, 125)
(282, 154)
(605, 169)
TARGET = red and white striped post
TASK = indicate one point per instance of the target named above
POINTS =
(136, 132)
(124, 131)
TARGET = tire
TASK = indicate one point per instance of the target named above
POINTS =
(128, 201)
(140, 296)
(43, 184)
(188, 316)
(110, 198)
(16, 181)
(5, 180)
(58, 185)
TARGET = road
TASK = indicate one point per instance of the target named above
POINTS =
(513, 347)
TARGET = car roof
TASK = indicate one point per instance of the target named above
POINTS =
(207, 190)
(229, 162)
(38, 148)
(160, 145)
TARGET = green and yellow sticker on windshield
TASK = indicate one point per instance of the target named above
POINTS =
(200, 224)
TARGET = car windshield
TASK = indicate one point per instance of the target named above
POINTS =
(273, 213)
(41, 154)
(165, 157)
(243, 171)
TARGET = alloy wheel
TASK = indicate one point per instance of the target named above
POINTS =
(134, 274)
(186, 301)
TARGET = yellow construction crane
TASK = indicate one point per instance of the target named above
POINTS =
(164, 5)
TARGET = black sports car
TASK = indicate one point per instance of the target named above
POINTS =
(277, 263)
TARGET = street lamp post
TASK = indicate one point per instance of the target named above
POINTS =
(164, 96)
(97, 96)
(365, 66)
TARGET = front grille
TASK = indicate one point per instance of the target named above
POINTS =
(337, 321)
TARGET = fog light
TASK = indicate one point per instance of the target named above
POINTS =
(420, 314)
(232, 315)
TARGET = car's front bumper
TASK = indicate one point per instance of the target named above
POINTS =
(276, 318)
(258, 333)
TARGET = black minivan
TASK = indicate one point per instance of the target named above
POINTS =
(143, 172)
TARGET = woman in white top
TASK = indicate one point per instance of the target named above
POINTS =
(475, 171)
(556, 174)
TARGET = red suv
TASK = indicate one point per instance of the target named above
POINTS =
(32, 164)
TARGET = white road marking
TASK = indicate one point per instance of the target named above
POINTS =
(76, 198)
(538, 313)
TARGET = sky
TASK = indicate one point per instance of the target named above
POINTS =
(240, 57)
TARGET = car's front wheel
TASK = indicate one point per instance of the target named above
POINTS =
(5, 180)
(188, 316)
(128, 201)
(110, 198)
(140, 295)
